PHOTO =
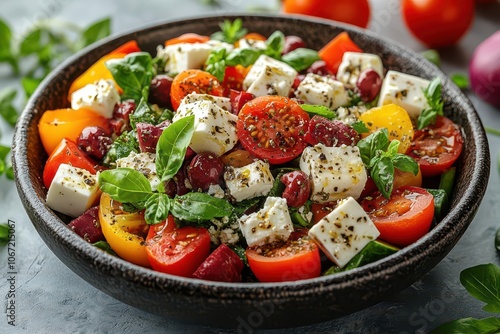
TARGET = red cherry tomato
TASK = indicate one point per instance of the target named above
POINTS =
(404, 218)
(355, 12)
(436, 147)
(298, 188)
(67, 152)
(294, 260)
(177, 251)
(273, 128)
(193, 81)
(438, 23)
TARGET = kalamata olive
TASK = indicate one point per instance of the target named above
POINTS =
(237, 158)
(159, 90)
(330, 132)
(178, 185)
(319, 67)
(121, 116)
(148, 135)
(94, 141)
(205, 169)
(368, 84)
(298, 188)
(292, 43)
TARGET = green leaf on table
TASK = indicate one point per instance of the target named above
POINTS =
(132, 73)
(172, 146)
(7, 110)
(30, 85)
(157, 208)
(196, 207)
(4, 233)
(125, 185)
(6, 52)
(483, 283)
(301, 58)
(470, 325)
(31, 43)
(96, 31)
(461, 80)
(230, 31)
(323, 111)
(433, 95)
(4, 151)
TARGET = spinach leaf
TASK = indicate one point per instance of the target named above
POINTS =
(133, 74)
(433, 95)
(172, 146)
(195, 207)
(312, 110)
(96, 31)
(125, 185)
(301, 58)
(483, 283)
(470, 325)
(7, 110)
(157, 208)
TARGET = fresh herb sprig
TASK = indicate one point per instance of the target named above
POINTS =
(483, 283)
(380, 156)
(433, 95)
(230, 32)
(129, 186)
(319, 110)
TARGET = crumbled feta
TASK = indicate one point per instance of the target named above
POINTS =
(344, 232)
(72, 191)
(224, 231)
(269, 224)
(101, 97)
(249, 181)
(144, 163)
(322, 90)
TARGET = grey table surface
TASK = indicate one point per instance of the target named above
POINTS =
(50, 298)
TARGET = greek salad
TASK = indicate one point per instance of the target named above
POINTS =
(242, 157)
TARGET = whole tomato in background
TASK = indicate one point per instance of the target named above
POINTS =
(356, 12)
(438, 23)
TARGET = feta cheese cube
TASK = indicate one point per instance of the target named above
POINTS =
(335, 172)
(72, 191)
(144, 163)
(249, 181)
(222, 102)
(248, 43)
(215, 128)
(185, 56)
(344, 232)
(407, 91)
(269, 224)
(269, 76)
(322, 90)
(353, 63)
(100, 97)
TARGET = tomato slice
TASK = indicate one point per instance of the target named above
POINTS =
(187, 38)
(437, 146)
(177, 251)
(294, 260)
(124, 231)
(273, 128)
(67, 152)
(404, 218)
(193, 81)
(54, 125)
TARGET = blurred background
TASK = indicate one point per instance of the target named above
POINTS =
(51, 298)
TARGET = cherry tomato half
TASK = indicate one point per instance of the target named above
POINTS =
(438, 23)
(177, 251)
(355, 12)
(294, 260)
(404, 218)
(196, 81)
(273, 128)
(437, 146)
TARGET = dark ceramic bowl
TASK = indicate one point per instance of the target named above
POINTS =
(250, 305)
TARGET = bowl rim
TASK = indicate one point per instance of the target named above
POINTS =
(376, 270)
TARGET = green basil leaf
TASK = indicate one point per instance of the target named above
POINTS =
(241, 207)
(301, 58)
(483, 284)
(172, 147)
(360, 127)
(319, 110)
(30, 84)
(143, 113)
(461, 80)
(125, 185)
(216, 63)
(369, 146)
(432, 56)
(96, 31)
(105, 247)
(392, 149)
(132, 73)
(405, 163)
(157, 208)
(7, 110)
(470, 325)
(243, 57)
(31, 43)
(275, 44)
(230, 31)
(427, 117)
(433, 95)
(196, 207)
(382, 174)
